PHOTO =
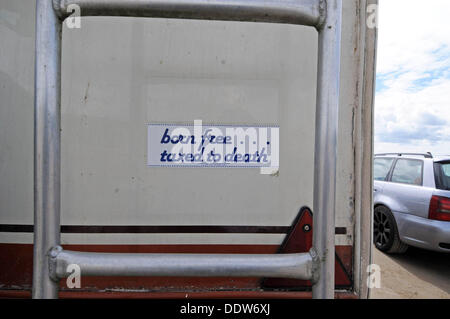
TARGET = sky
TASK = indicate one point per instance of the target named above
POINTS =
(412, 104)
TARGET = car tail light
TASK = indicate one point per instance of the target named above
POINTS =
(439, 208)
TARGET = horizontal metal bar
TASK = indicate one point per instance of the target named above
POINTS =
(297, 266)
(304, 12)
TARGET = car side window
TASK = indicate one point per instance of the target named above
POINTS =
(408, 172)
(381, 168)
(446, 175)
(442, 175)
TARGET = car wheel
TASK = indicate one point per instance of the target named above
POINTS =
(385, 233)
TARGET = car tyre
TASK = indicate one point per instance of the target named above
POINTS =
(385, 232)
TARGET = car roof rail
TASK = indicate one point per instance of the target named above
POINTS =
(426, 155)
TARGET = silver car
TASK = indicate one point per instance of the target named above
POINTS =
(412, 202)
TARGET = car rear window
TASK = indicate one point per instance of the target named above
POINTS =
(381, 168)
(408, 172)
(442, 174)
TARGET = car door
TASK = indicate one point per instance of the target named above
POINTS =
(405, 188)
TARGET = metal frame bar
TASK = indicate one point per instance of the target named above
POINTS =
(325, 155)
(306, 12)
(297, 266)
(50, 260)
(47, 153)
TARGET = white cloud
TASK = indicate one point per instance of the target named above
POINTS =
(412, 108)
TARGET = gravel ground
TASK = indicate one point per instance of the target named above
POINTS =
(417, 274)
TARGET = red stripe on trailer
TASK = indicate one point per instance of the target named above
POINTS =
(16, 270)
(21, 294)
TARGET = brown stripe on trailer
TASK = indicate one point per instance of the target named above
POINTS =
(160, 229)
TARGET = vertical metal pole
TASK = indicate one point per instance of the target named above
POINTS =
(327, 115)
(47, 120)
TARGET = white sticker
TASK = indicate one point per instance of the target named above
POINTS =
(197, 145)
